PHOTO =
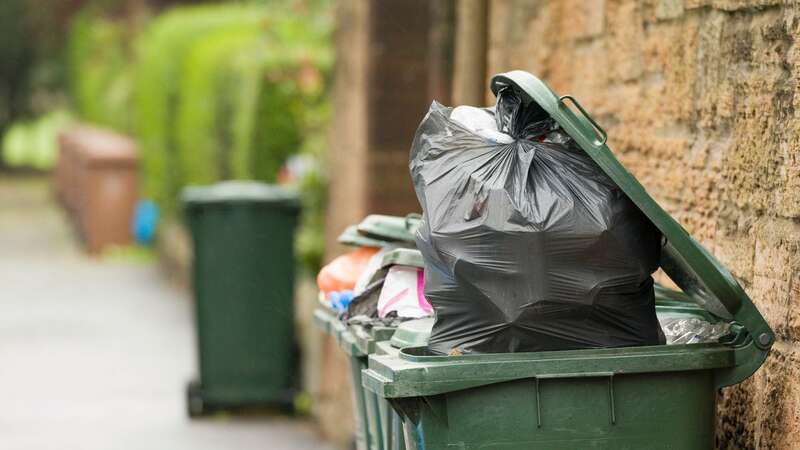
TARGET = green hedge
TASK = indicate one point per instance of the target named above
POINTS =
(203, 124)
(162, 50)
(99, 70)
(213, 92)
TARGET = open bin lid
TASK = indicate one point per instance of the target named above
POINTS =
(683, 259)
(390, 228)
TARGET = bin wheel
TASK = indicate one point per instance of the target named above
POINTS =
(195, 405)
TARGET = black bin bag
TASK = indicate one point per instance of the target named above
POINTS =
(528, 245)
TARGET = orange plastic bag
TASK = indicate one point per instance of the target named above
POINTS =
(342, 273)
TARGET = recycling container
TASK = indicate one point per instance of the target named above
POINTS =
(243, 283)
(413, 333)
(368, 433)
(376, 231)
(97, 180)
(327, 320)
(381, 430)
(358, 341)
(655, 397)
(323, 317)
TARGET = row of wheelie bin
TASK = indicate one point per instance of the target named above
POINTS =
(360, 331)
(663, 396)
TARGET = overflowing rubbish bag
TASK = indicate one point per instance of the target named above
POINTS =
(528, 244)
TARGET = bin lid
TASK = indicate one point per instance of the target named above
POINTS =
(403, 257)
(350, 236)
(413, 333)
(366, 338)
(683, 259)
(99, 147)
(237, 191)
(390, 228)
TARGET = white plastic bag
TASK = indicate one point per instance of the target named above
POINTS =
(480, 122)
(403, 292)
(681, 330)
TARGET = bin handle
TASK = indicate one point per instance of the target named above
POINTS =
(586, 115)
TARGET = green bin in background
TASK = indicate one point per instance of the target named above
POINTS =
(243, 285)
(649, 397)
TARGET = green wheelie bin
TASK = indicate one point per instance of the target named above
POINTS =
(324, 315)
(651, 397)
(374, 231)
(360, 340)
(413, 333)
(243, 286)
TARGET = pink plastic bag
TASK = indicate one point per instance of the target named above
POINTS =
(403, 292)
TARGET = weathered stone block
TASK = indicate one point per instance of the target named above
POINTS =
(776, 266)
(669, 9)
(624, 39)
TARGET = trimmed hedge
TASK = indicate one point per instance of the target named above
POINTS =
(99, 70)
(213, 92)
(162, 50)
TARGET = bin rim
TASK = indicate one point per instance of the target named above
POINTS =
(347, 342)
(411, 373)
(366, 338)
(413, 333)
(240, 191)
(698, 273)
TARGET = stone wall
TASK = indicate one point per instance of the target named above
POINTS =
(700, 100)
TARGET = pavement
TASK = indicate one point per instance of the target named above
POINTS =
(95, 353)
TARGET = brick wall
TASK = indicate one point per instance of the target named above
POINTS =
(700, 99)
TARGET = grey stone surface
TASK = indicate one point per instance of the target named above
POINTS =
(95, 354)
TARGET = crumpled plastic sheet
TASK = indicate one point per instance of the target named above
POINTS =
(683, 330)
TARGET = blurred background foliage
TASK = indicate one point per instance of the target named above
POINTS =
(210, 90)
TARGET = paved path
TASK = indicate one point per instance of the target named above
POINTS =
(94, 355)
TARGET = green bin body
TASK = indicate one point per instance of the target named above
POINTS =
(243, 284)
(628, 398)
(357, 341)
(328, 322)
(368, 429)
(650, 397)
(413, 333)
